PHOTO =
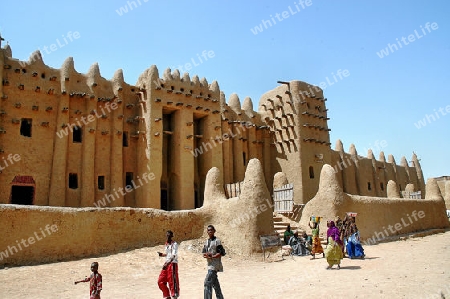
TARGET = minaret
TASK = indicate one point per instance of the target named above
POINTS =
(300, 124)
(420, 177)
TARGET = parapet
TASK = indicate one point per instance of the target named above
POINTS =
(70, 80)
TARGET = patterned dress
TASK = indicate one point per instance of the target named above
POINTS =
(316, 246)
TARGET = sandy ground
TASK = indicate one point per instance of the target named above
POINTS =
(413, 268)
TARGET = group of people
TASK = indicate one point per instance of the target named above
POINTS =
(342, 237)
(295, 244)
(350, 234)
(168, 280)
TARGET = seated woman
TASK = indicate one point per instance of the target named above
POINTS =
(298, 245)
(333, 252)
(288, 233)
(308, 241)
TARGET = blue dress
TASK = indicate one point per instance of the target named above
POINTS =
(354, 247)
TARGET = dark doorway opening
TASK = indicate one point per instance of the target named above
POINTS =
(164, 200)
(198, 204)
(22, 195)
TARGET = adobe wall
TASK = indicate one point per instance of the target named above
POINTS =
(376, 216)
(444, 187)
(181, 114)
(53, 234)
(244, 136)
(25, 94)
(240, 221)
(367, 176)
(83, 232)
(57, 100)
(154, 127)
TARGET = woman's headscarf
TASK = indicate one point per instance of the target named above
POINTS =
(333, 232)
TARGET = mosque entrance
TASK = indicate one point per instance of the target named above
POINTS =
(22, 195)
(22, 190)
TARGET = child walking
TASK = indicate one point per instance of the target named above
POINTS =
(95, 282)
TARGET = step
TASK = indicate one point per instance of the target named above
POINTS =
(280, 232)
(284, 225)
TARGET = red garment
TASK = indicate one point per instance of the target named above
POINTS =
(95, 285)
(169, 276)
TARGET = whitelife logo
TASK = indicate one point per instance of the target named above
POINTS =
(12, 249)
(411, 38)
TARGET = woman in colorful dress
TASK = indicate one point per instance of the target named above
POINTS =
(341, 227)
(333, 252)
(353, 243)
(316, 246)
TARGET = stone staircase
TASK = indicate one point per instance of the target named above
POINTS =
(279, 227)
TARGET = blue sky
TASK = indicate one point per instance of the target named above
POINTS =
(394, 98)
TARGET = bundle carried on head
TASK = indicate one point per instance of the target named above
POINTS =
(315, 219)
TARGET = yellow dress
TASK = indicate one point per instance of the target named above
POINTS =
(333, 252)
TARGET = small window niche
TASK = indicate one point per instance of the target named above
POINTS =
(125, 139)
(311, 172)
(101, 182)
(77, 134)
(129, 180)
(73, 181)
(25, 127)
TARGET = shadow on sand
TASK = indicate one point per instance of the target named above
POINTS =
(349, 268)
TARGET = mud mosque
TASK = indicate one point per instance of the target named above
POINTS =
(87, 156)
(80, 140)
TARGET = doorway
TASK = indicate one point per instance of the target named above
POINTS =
(22, 195)
(22, 190)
